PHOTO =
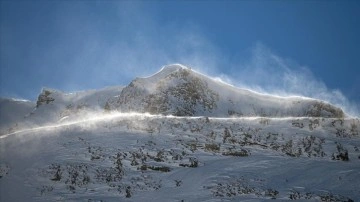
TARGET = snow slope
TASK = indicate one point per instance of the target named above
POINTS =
(177, 135)
(53, 106)
(142, 157)
(13, 111)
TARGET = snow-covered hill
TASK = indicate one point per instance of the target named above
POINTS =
(54, 106)
(142, 157)
(176, 136)
(174, 90)
(180, 91)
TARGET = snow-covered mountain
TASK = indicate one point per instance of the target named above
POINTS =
(178, 90)
(174, 90)
(176, 136)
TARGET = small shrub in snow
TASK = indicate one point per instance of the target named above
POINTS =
(241, 153)
(271, 193)
(128, 192)
(4, 170)
(341, 154)
(212, 147)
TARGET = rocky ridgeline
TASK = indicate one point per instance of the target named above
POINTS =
(45, 97)
(180, 94)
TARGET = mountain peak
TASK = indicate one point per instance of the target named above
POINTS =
(174, 67)
(177, 90)
(167, 70)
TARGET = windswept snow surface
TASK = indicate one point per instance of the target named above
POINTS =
(53, 106)
(177, 135)
(178, 90)
(14, 111)
(142, 157)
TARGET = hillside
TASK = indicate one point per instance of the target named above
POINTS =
(180, 91)
(53, 106)
(174, 90)
(13, 111)
(177, 135)
(139, 157)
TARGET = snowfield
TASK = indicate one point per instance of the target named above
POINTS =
(177, 136)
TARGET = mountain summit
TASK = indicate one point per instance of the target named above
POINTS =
(180, 91)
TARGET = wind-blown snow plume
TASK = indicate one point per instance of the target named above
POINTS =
(269, 73)
(137, 48)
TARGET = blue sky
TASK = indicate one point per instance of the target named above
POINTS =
(309, 48)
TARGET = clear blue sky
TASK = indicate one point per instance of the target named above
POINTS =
(289, 47)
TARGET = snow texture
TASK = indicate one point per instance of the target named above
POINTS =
(177, 135)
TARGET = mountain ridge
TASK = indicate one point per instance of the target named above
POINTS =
(173, 90)
(190, 91)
